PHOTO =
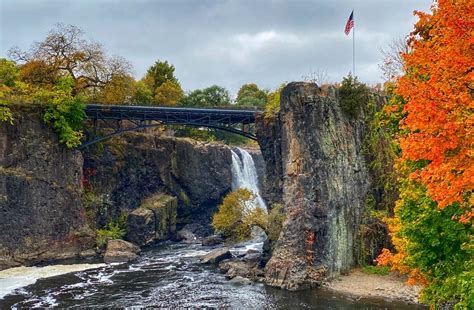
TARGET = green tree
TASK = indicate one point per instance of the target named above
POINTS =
(251, 96)
(159, 73)
(237, 214)
(168, 93)
(9, 72)
(163, 85)
(142, 95)
(272, 106)
(8, 76)
(212, 96)
(354, 96)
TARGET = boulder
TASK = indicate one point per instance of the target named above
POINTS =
(192, 233)
(216, 256)
(164, 208)
(240, 280)
(239, 268)
(140, 228)
(120, 251)
(212, 240)
(186, 236)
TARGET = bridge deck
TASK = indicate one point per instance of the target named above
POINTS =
(171, 115)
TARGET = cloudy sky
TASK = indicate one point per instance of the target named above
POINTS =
(224, 42)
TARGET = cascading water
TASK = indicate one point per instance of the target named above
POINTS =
(244, 175)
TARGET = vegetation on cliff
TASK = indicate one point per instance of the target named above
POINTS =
(432, 229)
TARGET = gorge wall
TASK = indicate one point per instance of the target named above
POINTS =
(41, 212)
(52, 199)
(316, 167)
(121, 172)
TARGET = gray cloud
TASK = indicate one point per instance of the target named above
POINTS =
(224, 42)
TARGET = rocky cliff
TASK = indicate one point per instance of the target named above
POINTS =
(316, 167)
(41, 213)
(52, 198)
(121, 172)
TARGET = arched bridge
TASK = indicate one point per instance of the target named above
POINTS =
(139, 117)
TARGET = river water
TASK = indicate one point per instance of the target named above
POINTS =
(169, 275)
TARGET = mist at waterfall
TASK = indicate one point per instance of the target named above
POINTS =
(244, 175)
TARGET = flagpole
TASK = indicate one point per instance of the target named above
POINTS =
(353, 44)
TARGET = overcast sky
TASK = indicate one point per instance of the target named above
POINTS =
(224, 42)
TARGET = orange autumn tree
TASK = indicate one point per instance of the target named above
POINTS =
(438, 87)
(432, 228)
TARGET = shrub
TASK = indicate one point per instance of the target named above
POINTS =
(354, 96)
(65, 113)
(113, 230)
(236, 215)
(276, 217)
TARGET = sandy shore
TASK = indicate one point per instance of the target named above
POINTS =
(391, 287)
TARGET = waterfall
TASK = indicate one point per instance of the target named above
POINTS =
(244, 175)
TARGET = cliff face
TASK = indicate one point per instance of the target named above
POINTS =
(124, 171)
(316, 167)
(41, 214)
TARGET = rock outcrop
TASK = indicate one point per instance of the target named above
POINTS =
(154, 220)
(216, 256)
(41, 212)
(124, 171)
(140, 227)
(120, 251)
(316, 167)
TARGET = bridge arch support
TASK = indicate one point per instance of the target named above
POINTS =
(140, 117)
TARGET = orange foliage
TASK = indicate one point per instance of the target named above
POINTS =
(395, 260)
(439, 88)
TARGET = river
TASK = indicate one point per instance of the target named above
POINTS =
(170, 275)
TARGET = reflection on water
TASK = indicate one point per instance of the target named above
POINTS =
(170, 276)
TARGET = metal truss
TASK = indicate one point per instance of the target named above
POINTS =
(240, 122)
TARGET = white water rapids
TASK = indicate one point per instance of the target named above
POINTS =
(244, 175)
(14, 278)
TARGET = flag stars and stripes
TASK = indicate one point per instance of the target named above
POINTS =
(349, 24)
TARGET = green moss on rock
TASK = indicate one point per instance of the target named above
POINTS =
(165, 209)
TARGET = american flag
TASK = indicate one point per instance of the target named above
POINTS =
(349, 24)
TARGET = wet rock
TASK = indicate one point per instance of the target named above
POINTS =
(216, 256)
(252, 256)
(140, 228)
(245, 269)
(164, 208)
(88, 253)
(212, 240)
(257, 234)
(120, 251)
(240, 280)
(186, 236)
